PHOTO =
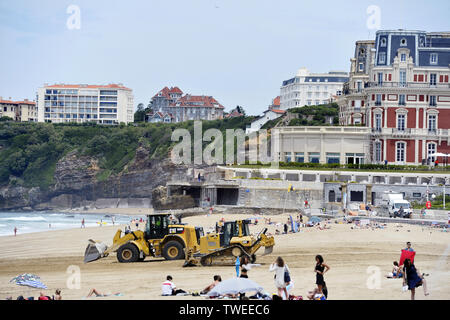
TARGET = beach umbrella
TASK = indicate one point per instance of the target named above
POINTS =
(235, 286)
(314, 219)
(30, 280)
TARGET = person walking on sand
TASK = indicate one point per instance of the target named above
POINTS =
(320, 270)
(15, 231)
(82, 224)
(280, 269)
(413, 278)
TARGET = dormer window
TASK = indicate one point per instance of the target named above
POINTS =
(434, 58)
(383, 42)
(403, 42)
(382, 58)
(403, 57)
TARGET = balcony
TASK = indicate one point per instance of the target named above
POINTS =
(405, 132)
(407, 85)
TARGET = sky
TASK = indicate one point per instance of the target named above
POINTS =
(238, 51)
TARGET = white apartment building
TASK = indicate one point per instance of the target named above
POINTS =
(311, 88)
(103, 104)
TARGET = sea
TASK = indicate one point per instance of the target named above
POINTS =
(28, 222)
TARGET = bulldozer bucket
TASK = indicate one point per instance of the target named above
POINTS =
(94, 251)
(268, 250)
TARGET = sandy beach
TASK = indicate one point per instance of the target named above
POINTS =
(351, 254)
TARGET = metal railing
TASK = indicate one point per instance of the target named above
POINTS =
(408, 85)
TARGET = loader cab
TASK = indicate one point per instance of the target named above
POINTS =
(231, 229)
(157, 226)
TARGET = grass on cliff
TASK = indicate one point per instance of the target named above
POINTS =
(29, 152)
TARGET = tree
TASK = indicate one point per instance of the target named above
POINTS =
(139, 115)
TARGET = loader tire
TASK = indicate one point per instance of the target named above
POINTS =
(128, 253)
(173, 250)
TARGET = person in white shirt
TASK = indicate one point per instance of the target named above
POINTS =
(169, 288)
(280, 268)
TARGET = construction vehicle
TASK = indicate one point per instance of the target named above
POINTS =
(234, 240)
(161, 238)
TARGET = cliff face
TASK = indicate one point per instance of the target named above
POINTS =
(77, 183)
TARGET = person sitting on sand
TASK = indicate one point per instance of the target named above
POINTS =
(396, 271)
(42, 296)
(99, 294)
(316, 295)
(217, 279)
(169, 288)
(57, 295)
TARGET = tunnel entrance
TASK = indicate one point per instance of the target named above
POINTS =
(227, 196)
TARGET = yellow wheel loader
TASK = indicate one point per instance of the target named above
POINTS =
(160, 239)
(234, 240)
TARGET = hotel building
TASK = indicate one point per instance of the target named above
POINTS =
(103, 104)
(311, 88)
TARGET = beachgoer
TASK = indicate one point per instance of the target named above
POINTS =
(82, 224)
(169, 288)
(217, 279)
(42, 296)
(316, 295)
(413, 278)
(99, 294)
(408, 247)
(58, 295)
(285, 228)
(396, 271)
(280, 269)
(237, 265)
(320, 270)
(246, 266)
(15, 231)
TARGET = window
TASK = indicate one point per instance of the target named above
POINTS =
(433, 101)
(402, 78)
(380, 78)
(434, 58)
(403, 42)
(333, 157)
(431, 149)
(287, 157)
(382, 58)
(299, 157)
(432, 79)
(378, 100)
(383, 42)
(401, 100)
(378, 122)
(417, 195)
(361, 67)
(314, 157)
(403, 57)
(432, 123)
(377, 149)
(401, 118)
(400, 152)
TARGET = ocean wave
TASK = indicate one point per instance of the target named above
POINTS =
(39, 218)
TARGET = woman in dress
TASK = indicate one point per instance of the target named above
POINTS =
(280, 269)
(413, 278)
(320, 270)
